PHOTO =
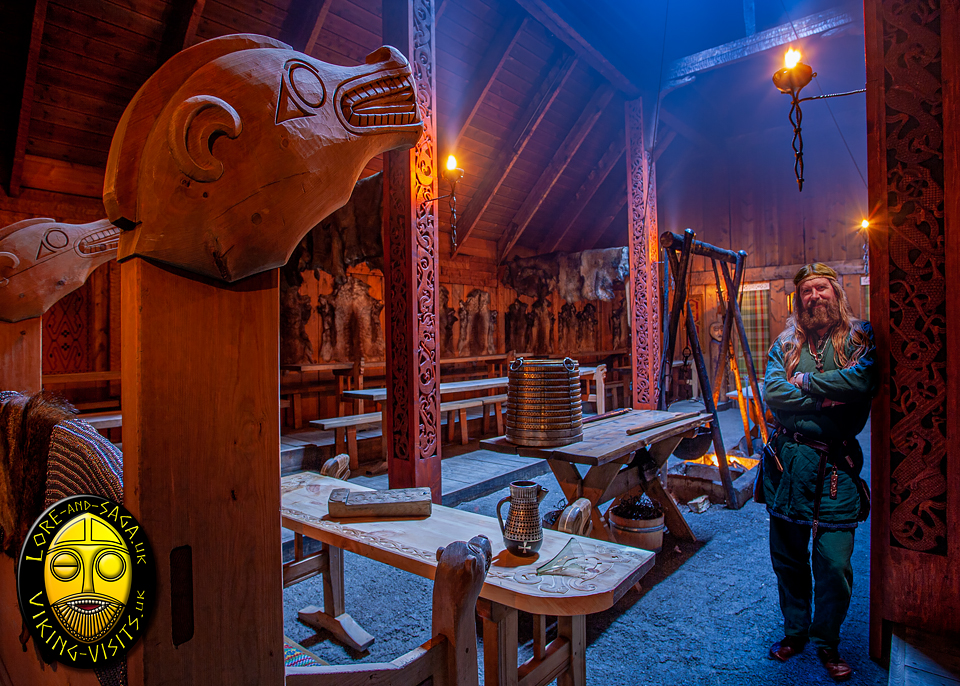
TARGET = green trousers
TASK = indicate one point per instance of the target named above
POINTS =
(832, 576)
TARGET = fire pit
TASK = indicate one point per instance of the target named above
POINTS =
(688, 479)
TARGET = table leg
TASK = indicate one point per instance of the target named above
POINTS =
(574, 629)
(595, 484)
(333, 617)
(499, 643)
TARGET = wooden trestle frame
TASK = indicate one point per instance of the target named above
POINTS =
(679, 249)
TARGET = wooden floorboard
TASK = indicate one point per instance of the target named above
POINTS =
(921, 659)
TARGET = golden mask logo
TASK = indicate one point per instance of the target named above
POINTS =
(85, 581)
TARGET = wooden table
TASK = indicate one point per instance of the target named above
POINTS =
(379, 395)
(618, 461)
(606, 572)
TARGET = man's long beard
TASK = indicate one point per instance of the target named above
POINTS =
(824, 313)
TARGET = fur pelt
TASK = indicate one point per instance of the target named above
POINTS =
(356, 325)
(25, 426)
(326, 311)
(492, 333)
(587, 328)
(474, 324)
(517, 327)
(295, 312)
(570, 283)
(600, 270)
(541, 338)
(533, 277)
(567, 329)
(620, 324)
(448, 317)
(588, 275)
(352, 234)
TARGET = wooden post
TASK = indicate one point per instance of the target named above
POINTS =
(411, 267)
(644, 286)
(914, 190)
(200, 375)
(21, 358)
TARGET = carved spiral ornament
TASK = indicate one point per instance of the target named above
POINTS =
(196, 124)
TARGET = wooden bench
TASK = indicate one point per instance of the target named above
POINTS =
(496, 402)
(345, 432)
(103, 420)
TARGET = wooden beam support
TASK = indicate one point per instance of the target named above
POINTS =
(26, 99)
(571, 212)
(643, 292)
(483, 78)
(749, 17)
(613, 207)
(514, 144)
(663, 144)
(562, 24)
(548, 179)
(21, 358)
(411, 267)
(685, 130)
(302, 29)
(183, 18)
(734, 51)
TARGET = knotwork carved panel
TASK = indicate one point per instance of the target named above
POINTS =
(917, 315)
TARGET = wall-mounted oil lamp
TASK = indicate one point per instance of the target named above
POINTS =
(790, 80)
(452, 173)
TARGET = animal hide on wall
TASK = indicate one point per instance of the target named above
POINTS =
(448, 318)
(356, 322)
(326, 311)
(492, 333)
(352, 234)
(588, 275)
(567, 329)
(541, 338)
(475, 325)
(620, 325)
(517, 327)
(295, 311)
(587, 328)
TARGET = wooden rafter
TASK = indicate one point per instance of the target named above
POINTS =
(685, 130)
(183, 18)
(561, 159)
(442, 6)
(612, 211)
(514, 144)
(483, 78)
(759, 42)
(302, 29)
(26, 101)
(571, 212)
(561, 23)
(662, 144)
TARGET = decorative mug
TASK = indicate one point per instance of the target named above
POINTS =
(523, 533)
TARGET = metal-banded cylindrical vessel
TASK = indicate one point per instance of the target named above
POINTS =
(543, 403)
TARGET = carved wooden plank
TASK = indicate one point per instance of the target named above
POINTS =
(411, 269)
(508, 155)
(21, 357)
(571, 212)
(397, 502)
(578, 134)
(561, 23)
(483, 78)
(734, 51)
(26, 101)
(181, 27)
(303, 23)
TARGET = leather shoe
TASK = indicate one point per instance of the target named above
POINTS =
(786, 648)
(835, 665)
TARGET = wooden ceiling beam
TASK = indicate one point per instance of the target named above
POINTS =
(548, 179)
(734, 51)
(26, 100)
(183, 18)
(302, 30)
(442, 6)
(483, 78)
(514, 144)
(663, 144)
(571, 212)
(685, 130)
(612, 210)
(564, 26)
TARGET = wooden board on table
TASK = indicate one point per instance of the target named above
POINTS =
(411, 545)
(398, 502)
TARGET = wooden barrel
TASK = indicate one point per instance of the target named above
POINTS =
(639, 533)
(543, 403)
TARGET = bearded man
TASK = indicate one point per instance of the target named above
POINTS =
(820, 378)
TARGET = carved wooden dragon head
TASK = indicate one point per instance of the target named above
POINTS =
(42, 260)
(238, 146)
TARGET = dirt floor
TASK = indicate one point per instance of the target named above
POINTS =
(707, 613)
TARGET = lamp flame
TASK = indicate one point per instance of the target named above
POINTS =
(865, 224)
(451, 162)
(792, 58)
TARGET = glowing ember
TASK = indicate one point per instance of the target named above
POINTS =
(744, 463)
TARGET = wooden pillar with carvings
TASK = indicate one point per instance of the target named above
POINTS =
(411, 267)
(644, 287)
(913, 129)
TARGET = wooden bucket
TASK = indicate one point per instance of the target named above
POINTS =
(639, 533)
(544, 408)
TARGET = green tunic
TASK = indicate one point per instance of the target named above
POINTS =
(790, 495)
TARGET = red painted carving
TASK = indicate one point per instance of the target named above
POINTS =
(917, 309)
(644, 252)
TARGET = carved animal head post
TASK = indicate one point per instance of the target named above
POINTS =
(41, 261)
(222, 162)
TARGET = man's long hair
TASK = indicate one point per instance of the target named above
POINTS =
(794, 336)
